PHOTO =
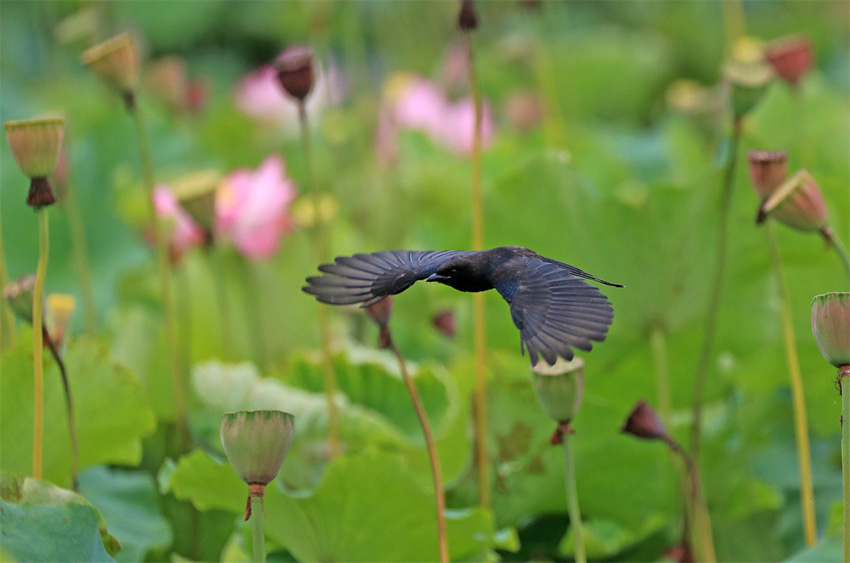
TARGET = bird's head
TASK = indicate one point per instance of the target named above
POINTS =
(460, 273)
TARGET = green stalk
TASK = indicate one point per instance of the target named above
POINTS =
(253, 313)
(217, 270)
(320, 250)
(703, 538)
(572, 499)
(480, 334)
(835, 242)
(38, 341)
(7, 321)
(257, 529)
(433, 454)
(164, 281)
(801, 426)
(81, 259)
(69, 408)
(716, 290)
(844, 372)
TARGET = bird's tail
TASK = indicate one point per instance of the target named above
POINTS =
(582, 274)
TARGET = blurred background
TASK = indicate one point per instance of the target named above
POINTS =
(605, 134)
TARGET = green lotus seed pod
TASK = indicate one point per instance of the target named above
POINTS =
(256, 442)
(19, 295)
(831, 326)
(196, 193)
(748, 82)
(559, 388)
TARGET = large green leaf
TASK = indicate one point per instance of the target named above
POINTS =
(111, 412)
(42, 522)
(128, 502)
(368, 507)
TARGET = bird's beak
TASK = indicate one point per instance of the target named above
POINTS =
(436, 278)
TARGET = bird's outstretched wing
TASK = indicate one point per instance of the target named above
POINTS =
(368, 278)
(554, 310)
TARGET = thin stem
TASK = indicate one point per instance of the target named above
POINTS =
(257, 529)
(433, 455)
(716, 290)
(480, 334)
(38, 341)
(7, 321)
(69, 407)
(835, 242)
(217, 270)
(734, 22)
(658, 343)
(703, 538)
(572, 499)
(253, 313)
(81, 256)
(320, 250)
(164, 281)
(843, 374)
(801, 425)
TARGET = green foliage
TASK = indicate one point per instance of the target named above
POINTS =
(67, 526)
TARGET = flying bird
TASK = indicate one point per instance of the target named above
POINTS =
(553, 308)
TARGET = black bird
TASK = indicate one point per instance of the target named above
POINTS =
(552, 308)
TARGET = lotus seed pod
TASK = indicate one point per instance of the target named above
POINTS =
(381, 311)
(643, 422)
(831, 326)
(295, 71)
(35, 144)
(790, 57)
(116, 61)
(196, 194)
(256, 442)
(798, 203)
(467, 18)
(748, 82)
(768, 170)
(19, 295)
(559, 387)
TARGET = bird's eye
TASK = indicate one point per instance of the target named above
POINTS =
(453, 271)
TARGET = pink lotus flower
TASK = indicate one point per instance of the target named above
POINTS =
(251, 208)
(184, 232)
(423, 106)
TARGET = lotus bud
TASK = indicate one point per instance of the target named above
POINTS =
(748, 82)
(295, 71)
(790, 57)
(380, 313)
(19, 295)
(116, 61)
(444, 321)
(467, 18)
(559, 389)
(831, 327)
(798, 203)
(35, 144)
(168, 80)
(748, 49)
(768, 169)
(196, 194)
(644, 422)
(60, 308)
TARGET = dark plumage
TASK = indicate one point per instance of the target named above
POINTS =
(553, 309)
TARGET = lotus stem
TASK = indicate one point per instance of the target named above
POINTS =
(734, 22)
(480, 334)
(217, 270)
(69, 408)
(801, 425)
(844, 372)
(572, 499)
(835, 242)
(81, 257)
(164, 276)
(703, 538)
(253, 312)
(320, 250)
(7, 321)
(38, 341)
(258, 532)
(433, 454)
(716, 291)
